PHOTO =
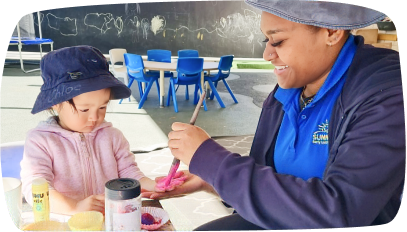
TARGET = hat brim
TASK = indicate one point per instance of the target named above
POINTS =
(66, 91)
(331, 15)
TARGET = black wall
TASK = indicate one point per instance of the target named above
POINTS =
(214, 28)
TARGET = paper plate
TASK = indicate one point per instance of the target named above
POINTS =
(160, 217)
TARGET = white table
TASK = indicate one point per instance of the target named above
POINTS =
(161, 66)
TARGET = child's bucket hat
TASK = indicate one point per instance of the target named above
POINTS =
(71, 71)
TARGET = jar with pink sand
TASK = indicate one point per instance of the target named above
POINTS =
(122, 205)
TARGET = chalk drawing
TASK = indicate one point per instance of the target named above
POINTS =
(102, 22)
(134, 25)
(233, 27)
(236, 27)
(145, 27)
(157, 24)
(118, 23)
(128, 8)
(66, 26)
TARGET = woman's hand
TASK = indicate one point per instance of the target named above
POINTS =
(192, 184)
(91, 203)
(184, 140)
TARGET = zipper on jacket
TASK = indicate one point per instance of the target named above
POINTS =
(87, 178)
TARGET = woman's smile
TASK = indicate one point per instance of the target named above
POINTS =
(280, 70)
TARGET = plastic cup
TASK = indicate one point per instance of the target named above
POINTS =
(86, 221)
(12, 191)
(46, 226)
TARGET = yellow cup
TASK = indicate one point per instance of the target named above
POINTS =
(86, 221)
(46, 226)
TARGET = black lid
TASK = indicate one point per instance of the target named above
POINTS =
(122, 189)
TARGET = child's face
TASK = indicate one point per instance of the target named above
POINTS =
(91, 111)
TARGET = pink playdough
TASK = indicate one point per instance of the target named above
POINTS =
(178, 179)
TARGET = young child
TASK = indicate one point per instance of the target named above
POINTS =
(77, 151)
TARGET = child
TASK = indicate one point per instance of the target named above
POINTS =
(77, 152)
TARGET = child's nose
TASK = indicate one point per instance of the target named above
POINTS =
(93, 117)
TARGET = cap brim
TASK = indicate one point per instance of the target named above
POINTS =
(69, 90)
(331, 15)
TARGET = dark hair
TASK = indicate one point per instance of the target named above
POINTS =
(70, 101)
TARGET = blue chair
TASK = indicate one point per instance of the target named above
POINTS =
(159, 55)
(135, 70)
(189, 71)
(225, 64)
(188, 53)
(11, 156)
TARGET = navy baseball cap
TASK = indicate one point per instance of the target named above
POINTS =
(71, 71)
(331, 15)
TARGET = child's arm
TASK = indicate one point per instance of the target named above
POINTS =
(126, 164)
(64, 205)
(147, 184)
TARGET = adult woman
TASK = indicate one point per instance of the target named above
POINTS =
(329, 150)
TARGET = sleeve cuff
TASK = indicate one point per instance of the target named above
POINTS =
(207, 160)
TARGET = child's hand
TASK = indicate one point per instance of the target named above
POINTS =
(147, 184)
(91, 203)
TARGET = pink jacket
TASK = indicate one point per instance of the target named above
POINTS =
(76, 164)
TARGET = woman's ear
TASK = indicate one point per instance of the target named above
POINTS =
(334, 36)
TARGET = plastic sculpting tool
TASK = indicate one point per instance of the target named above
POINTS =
(176, 162)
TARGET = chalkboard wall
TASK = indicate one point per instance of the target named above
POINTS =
(214, 28)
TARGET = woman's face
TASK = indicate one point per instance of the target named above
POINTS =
(299, 53)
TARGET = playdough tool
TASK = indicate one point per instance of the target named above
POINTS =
(175, 162)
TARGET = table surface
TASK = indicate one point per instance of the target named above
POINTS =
(153, 65)
(27, 211)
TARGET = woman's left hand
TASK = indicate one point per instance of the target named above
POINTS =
(184, 140)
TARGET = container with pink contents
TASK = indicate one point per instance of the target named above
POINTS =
(124, 211)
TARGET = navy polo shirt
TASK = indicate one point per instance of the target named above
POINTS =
(302, 142)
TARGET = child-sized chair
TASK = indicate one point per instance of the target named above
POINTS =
(117, 56)
(135, 70)
(159, 55)
(189, 71)
(225, 64)
(188, 53)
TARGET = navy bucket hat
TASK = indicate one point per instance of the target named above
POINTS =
(329, 15)
(69, 72)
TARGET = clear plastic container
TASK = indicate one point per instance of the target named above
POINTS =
(122, 205)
